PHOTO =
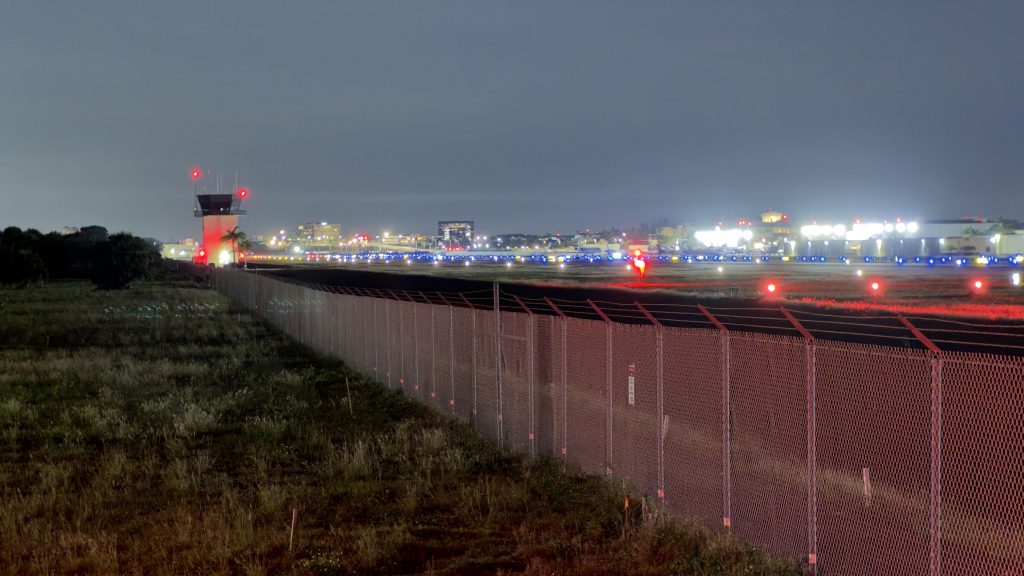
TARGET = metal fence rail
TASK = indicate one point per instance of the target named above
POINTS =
(853, 458)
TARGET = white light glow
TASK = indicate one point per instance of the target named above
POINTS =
(824, 230)
(718, 237)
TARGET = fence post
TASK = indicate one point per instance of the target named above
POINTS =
(433, 347)
(451, 350)
(935, 475)
(497, 362)
(531, 436)
(472, 417)
(609, 453)
(660, 391)
(366, 348)
(387, 335)
(376, 338)
(415, 349)
(812, 479)
(726, 417)
(565, 377)
(401, 345)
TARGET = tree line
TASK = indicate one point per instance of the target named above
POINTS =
(109, 261)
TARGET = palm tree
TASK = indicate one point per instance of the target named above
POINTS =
(235, 237)
(245, 247)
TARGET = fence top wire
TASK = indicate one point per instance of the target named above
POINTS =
(985, 344)
(957, 322)
(964, 333)
(662, 313)
(798, 312)
(723, 317)
(759, 326)
(859, 324)
(978, 332)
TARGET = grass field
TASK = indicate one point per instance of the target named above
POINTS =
(162, 431)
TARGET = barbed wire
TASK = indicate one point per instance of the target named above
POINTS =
(676, 313)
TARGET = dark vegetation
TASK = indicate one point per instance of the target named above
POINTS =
(109, 261)
(163, 431)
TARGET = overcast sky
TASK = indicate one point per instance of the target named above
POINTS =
(521, 115)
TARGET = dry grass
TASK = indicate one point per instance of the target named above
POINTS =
(160, 431)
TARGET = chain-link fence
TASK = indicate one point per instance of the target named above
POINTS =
(853, 458)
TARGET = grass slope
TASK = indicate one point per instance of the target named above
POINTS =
(162, 431)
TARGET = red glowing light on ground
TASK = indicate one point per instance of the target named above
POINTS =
(641, 267)
(978, 284)
(875, 286)
(771, 288)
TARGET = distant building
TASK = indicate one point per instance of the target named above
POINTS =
(453, 233)
(184, 250)
(772, 216)
(318, 234)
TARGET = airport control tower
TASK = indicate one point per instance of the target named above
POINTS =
(220, 214)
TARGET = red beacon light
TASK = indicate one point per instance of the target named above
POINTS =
(640, 264)
(196, 173)
(242, 193)
(771, 289)
(875, 287)
(978, 285)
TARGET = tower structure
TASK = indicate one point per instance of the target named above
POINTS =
(220, 214)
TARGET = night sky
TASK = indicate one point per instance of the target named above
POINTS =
(524, 116)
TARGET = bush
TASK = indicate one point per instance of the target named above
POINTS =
(110, 261)
(121, 260)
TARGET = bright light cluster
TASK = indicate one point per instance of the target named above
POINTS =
(823, 231)
(718, 237)
(860, 231)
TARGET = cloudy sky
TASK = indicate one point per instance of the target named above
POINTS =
(522, 115)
